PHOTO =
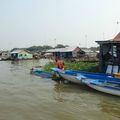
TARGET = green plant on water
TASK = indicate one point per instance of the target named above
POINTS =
(82, 66)
(48, 66)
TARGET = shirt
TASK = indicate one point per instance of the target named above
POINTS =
(59, 64)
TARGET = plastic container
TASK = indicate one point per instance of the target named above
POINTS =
(117, 75)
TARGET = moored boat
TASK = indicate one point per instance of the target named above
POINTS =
(77, 76)
(67, 75)
(107, 86)
(41, 73)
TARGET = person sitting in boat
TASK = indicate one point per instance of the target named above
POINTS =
(59, 64)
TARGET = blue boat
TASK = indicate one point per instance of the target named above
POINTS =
(76, 76)
(111, 86)
(41, 73)
(101, 82)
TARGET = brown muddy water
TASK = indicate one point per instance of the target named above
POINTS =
(27, 97)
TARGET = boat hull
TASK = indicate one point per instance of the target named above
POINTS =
(41, 73)
(77, 76)
(105, 90)
(108, 87)
(70, 78)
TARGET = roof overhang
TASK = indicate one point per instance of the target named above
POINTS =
(108, 42)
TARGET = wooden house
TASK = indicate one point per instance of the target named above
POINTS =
(68, 52)
(109, 53)
(21, 55)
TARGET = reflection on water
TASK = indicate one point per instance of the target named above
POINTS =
(31, 63)
(113, 108)
(94, 103)
(58, 88)
(27, 97)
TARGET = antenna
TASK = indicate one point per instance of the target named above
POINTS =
(55, 42)
(117, 27)
(118, 22)
(86, 40)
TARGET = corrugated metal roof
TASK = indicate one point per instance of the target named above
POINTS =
(19, 51)
(86, 50)
(16, 51)
(67, 49)
(116, 39)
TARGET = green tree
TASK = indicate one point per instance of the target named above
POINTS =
(61, 46)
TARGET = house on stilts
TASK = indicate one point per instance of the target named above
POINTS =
(109, 55)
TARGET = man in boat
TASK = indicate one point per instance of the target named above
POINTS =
(56, 75)
(59, 64)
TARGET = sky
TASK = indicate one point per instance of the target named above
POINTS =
(25, 23)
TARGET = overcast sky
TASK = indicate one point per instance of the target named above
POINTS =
(24, 23)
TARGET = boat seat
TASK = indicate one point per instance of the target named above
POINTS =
(115, 69)
(109, 69)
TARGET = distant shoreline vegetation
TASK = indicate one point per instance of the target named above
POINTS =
(82, 66)
(41, 48)
(47, 47)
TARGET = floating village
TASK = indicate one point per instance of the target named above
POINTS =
(98, 68)
(60, 60)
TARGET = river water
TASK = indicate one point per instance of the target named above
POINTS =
(27, 97)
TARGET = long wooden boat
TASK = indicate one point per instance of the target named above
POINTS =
(69, 76)
(101, 82)
(77, 76)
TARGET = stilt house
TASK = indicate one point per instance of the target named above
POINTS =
(110, 54)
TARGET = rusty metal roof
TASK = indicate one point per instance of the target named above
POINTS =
(117, 37)
(115, 40)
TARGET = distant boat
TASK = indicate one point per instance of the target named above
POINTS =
(111, 86)
(41, 73)
(76, 76)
